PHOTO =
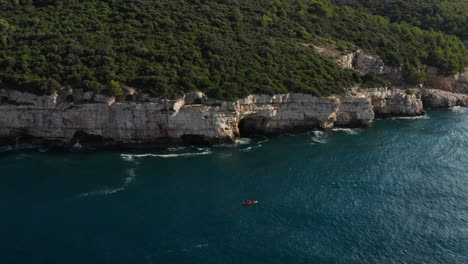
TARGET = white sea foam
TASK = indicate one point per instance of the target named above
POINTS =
(409, 117)
(258, 144)
(190, 154)
(458, 109)
(175, 149)
(243, 141)
(319, 137)
(347, 130)
(247, 149)
(127, 157)
(106, 191)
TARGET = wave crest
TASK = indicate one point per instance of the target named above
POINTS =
(347, 130)
(319, 137)
(188, 154)
(258, 144)
(409, 117)
(458, 109)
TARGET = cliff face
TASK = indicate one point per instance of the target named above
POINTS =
(193, 118)
(140, 120)
(433, 98)
(457, 83)
(394, 102)
(367, 63)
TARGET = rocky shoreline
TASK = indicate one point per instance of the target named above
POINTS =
(140, 121)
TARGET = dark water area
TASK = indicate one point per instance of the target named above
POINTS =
(396, 192)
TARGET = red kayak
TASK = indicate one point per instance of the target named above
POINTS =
(250, 203)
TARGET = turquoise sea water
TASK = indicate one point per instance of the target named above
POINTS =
(393, 193)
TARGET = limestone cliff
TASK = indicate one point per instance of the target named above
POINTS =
(394, 102)
(433, 98)
(195, 118)
(140, 120)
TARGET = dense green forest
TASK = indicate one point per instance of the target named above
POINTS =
(226, 48)
(449, 16)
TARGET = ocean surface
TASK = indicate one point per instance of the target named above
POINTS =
(396, 192)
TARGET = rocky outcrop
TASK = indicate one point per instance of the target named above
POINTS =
(433, 98)
(354, 111)
(302, 111)
(365, 63)
(387, 101)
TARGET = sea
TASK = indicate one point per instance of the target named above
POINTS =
(396, 192)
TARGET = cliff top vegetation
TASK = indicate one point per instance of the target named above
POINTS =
(225, 48)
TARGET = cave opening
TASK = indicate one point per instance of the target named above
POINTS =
(129, 98)
(70, 98)
(197, 101)
(84, 137)
(251, 126)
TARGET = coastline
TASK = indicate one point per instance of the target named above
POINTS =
(94, 121)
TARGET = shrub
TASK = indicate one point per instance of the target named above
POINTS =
(371, 80)
(113, 88)
(92, 86)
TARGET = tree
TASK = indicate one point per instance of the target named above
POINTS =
(114, 88)
(4, 26)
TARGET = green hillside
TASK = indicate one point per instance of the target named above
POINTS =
(449, 16)
(226, 48)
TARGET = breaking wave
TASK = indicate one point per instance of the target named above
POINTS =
(347, 130)
(319, 137)
(175, 149)
(130, 157)
(458, 109)
(256, 145)
(243, 141)
(409, 117)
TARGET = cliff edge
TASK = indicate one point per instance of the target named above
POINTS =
(141, 120)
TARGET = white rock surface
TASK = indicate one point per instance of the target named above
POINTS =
(387, 101)
(53, 118)
(433, 98)
(23, 114)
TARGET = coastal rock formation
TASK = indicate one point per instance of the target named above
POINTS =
(193, 118)
(354, 111)
(302, 111)
(387, 101)
(141, 120)
(433, 98)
